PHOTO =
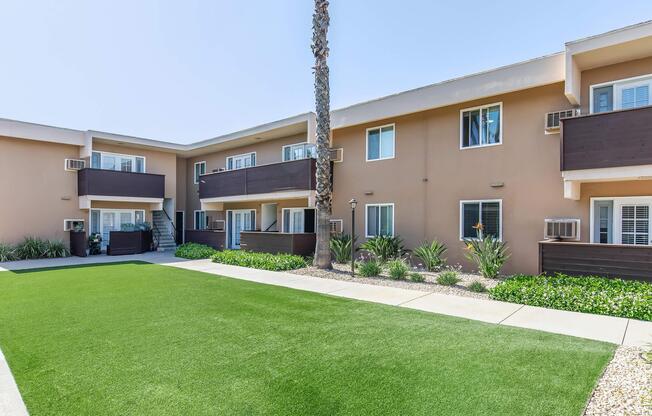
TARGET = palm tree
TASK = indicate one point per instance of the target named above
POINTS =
(320, 21)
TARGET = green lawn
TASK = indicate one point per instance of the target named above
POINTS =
(141, 339)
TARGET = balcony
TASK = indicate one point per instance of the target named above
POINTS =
(607, 140)
(111, 185)
(293, 178)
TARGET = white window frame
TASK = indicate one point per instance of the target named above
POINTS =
(617, 88)
(380, 151)
(366, 213)
(71, 220)
(480, 107)
(123, 155)
(337, 221)
(617, 223)
(195, 178)
(296, 144)
(480, 201)
(119, 211)
(194, 220)
(241, 155)
(302, 209)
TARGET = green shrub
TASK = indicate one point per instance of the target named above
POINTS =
(370, 268)
(448, 277)
(615, 297)
(194, 251)
(397, 269)
(431, 255)
(477, 287)
(31, 248)
(488, 253)
(385, 247)
(341, 248)
(55, 248)
(264, 261)
(416, 277)
(7, 253)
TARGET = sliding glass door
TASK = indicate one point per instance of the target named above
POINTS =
(103, 221)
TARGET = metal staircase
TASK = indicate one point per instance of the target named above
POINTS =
(164, 232)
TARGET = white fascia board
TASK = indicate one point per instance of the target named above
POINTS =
(271, 196)
(40, 132)
(529, 74)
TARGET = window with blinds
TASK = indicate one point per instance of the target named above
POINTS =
(635, 223)
(485, 213)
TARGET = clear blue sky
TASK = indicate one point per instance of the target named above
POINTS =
(190, 70)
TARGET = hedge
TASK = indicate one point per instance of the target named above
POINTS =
(264, 261)
(590, 294)
(194, 251)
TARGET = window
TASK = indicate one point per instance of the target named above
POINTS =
(621, 95)
(73, 225)
(200, 169)
(487, 213)
(635, 226)
(115, 161)
(246, 160)
(337, 226)
(298, 220)
(299, 151)
(380, 143)
(379, 220)
(481, 126)
(200, 220)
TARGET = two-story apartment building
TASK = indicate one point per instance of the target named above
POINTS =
(559, 145)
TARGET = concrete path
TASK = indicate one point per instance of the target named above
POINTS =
(11, 403)
(598, 327)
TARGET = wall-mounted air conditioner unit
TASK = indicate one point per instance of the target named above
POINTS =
(75, 164)
(337, 154)
(553, 119)
(562, 228)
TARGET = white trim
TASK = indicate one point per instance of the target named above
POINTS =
(72, 220)
(227, 228)
(616, 225)
(123, 155)
(270, 196)
(481, 107)
(609, 174)
(295, 144)
(85, 201)
(341, 150)
(614, 84)
(194, 219)
(291, 209)
(380, 204)
(195, 177)
(339, 220)
(65, 164)
(114, 210)
(380, 151)
(480, 201)
(239, 156)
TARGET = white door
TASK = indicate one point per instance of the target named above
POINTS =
(241, 220)
(293, 220)
(112, 220)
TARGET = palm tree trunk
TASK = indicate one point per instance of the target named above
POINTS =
(320, 21)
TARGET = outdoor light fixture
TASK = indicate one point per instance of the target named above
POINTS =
(353, 204)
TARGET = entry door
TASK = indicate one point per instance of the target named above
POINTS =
(240, 220)
(293, 220)
(113, 221)
(179, 222)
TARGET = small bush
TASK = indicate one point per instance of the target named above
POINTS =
(431, 255)
(397, 269)
(590, 294)
(370, 268)
(385, 247)
(31, 248)
(416, 277)
(264, 261)
(341, 248)
(55, 248)
(488, 253)
(7, 253)
(448, 278)
(194, 251)
(477, 287)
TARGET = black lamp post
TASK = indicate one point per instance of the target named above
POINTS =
(353, 204)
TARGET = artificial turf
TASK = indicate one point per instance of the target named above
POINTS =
(142, 339)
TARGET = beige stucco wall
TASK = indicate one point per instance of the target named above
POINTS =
(266, 152)
(36, 193)
(612, 73)
(161, 163)
(430, 175)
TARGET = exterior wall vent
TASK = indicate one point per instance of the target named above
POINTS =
(75, 164)
(337, 154)
(553, 119)
(564, 228)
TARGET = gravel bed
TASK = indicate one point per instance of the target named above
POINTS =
(343, 272)
(625, 386)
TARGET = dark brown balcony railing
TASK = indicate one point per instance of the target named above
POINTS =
(296, 175)
(606, 140)
(116, 183)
